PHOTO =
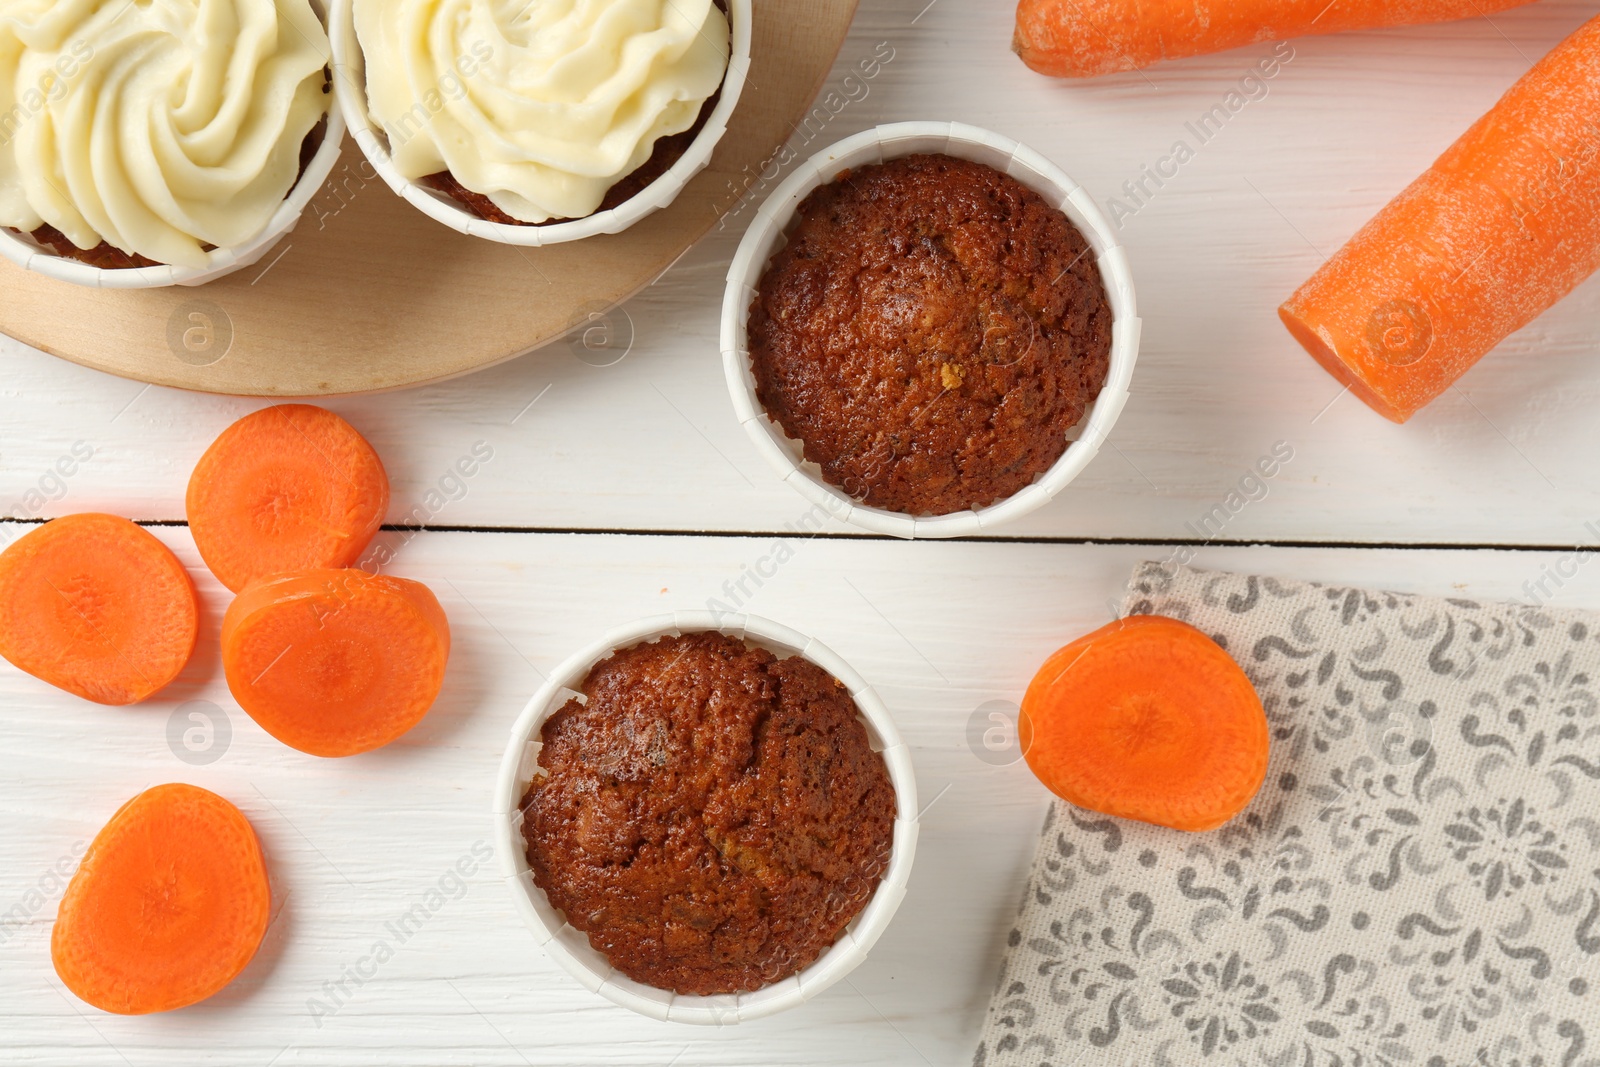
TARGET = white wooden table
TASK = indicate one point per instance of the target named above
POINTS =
(627, 489)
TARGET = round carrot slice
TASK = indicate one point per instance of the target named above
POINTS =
(1147, 719)
(288, 488)
(168, 906)
(95, 605)
(335, 662)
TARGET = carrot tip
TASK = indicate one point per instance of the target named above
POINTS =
(1502, 226)
(1321, 348)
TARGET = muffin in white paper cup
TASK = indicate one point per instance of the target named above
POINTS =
(570, 947)
(29, 254)
(350, 89)
(769, 232)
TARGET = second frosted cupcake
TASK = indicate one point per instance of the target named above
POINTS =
(538, 121)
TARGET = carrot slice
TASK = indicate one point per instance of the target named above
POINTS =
(1083, 38)
(1504, 225)
(95, 605)
(1147, 719)
(335, 662)
(287, 488)
(169, 904)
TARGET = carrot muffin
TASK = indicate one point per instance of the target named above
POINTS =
(133, 134)
(541, 111)
(711, 816)
(931, 333)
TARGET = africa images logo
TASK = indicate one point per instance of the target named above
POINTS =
(1399, 332)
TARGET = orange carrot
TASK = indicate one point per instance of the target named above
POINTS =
(168, 906)
(335, 662)
(95, 605)
(287, 488)
(1147, 719)
(1083, 38)
(1504, 225)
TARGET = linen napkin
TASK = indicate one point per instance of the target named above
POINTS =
(1417, 883)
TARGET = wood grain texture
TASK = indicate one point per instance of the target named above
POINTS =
(651, 443)
(369, 294)
(940, 629)
(585, 439)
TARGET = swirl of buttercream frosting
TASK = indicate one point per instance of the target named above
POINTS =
(540, 105)
(162, 127)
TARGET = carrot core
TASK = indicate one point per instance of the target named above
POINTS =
(95, 605)
(170, 903)
(1147, 719)
(335, 662)
(287, 488)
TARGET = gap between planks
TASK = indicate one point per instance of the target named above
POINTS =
(1089, 542)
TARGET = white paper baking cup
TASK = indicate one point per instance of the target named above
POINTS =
(570, 947)
(769, 231)
(28, 254)
(350, 87)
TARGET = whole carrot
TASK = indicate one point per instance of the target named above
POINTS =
(1084, 38)
(1505, 224)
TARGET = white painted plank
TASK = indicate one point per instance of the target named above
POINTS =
(650, 443)
(355, 842)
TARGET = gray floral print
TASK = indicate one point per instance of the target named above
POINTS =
(1417, 884)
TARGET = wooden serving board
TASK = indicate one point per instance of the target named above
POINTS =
(368, 294)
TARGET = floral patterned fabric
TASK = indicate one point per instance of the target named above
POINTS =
(1416, 885)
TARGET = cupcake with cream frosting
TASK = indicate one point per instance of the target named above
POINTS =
(142, 132)
(539, 111)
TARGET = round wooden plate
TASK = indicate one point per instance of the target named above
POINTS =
(369, 294)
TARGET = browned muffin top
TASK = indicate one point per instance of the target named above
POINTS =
(930, 333)
(712, 816)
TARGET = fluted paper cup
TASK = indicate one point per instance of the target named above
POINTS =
(569, 946)
(767, 235)
(350, 89)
